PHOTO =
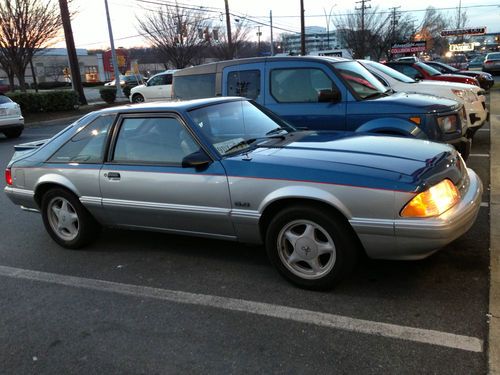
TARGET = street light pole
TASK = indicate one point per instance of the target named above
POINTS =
(119, 93)
(302, 30)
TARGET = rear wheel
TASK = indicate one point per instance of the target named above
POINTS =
(138, 98)
(13, 133)
(66, 220)
(311, 248)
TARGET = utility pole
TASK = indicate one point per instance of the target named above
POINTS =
(302, 30)
(228, 28)
(76, 79)
(118, 86)
(362, 9)
(259, 33)
(271, 24)
(394, 22)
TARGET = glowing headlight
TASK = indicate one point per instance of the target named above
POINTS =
(432, 202)
(448, 124)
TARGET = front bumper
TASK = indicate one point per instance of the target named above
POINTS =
(463, 145)
(410, 239)
(419, 238)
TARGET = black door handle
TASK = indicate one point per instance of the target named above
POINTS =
(113, 175)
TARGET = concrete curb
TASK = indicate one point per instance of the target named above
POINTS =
(494, 309)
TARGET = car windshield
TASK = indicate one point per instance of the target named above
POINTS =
(237, 126)
(4, 99)
(429, 69)
(393, 73)
(359, 79)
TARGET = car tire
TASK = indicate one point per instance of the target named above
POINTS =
(66, 220)
(311, 247)
(138, 98)
(13, 133)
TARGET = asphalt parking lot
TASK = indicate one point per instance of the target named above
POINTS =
(147, 303)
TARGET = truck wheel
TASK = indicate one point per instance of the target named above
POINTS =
(66, 220)
(311, 248)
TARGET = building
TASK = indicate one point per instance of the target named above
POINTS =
(317, 39)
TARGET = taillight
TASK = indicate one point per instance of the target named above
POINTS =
(8, 177)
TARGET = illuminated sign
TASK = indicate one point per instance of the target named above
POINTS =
(463, 47)
(465, 31)
(409, 47)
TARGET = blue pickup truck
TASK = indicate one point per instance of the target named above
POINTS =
(327, 93)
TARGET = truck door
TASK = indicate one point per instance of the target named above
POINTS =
(293, 92)
(244, 80)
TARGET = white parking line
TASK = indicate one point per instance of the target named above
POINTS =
(484, 204)
(427, 336)
(480, 155)
(484, 130)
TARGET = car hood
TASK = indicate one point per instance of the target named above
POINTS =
(373, 161)
(412, 101)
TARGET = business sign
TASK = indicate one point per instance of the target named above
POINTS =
(465, 31)
(122, 59)
(462, 47)
(409, 47)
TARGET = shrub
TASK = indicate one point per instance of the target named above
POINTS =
(108, 94)
(50, 85)
(51, 101)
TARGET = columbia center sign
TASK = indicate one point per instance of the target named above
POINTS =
(464, 31)
(408, 47)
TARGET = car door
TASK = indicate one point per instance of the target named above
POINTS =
(145, 185)
(293, 93)
(158, 88)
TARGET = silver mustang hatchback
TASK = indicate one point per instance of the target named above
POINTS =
(226, 168)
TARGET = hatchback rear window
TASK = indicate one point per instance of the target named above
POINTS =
(4, 99)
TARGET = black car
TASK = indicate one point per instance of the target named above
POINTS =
(485, 79)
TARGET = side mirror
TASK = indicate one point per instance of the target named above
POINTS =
(329, 96)
(198, 160)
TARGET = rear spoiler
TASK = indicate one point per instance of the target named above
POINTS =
(30, 145)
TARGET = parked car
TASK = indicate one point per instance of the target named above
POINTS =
(419, 70)
(11, 118)
(485, 79)
(476, 63)
(127, 80)
(327, 93)
(158, 87)
(472, 97)
(4, 86)
(491, 63)
(227, 168)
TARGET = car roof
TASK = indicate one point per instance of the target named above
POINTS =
(174, 105)
(219, 65)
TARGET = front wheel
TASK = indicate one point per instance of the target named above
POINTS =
(311, 248)
(66, 220)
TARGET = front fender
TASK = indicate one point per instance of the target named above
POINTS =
(393, 125)
(304, 192)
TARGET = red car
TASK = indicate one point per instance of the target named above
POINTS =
(418, 70)
(4, 86)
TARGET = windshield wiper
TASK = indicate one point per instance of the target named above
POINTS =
(375, 95)
(244, 142)
(275, 131)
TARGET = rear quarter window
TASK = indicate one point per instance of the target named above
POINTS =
(196, 86)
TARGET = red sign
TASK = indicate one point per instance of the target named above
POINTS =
(122, 60)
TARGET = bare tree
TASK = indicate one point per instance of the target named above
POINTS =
(366, 40)
(26, 27)
(430, 30)
(174, 32)
(239, 39)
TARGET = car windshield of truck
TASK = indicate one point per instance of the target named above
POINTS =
(429, 69)
(360, 80)
(393, 73)
(237, 126)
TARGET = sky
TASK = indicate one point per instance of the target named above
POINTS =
(90, 28)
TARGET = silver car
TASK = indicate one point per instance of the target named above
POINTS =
(226, 168)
